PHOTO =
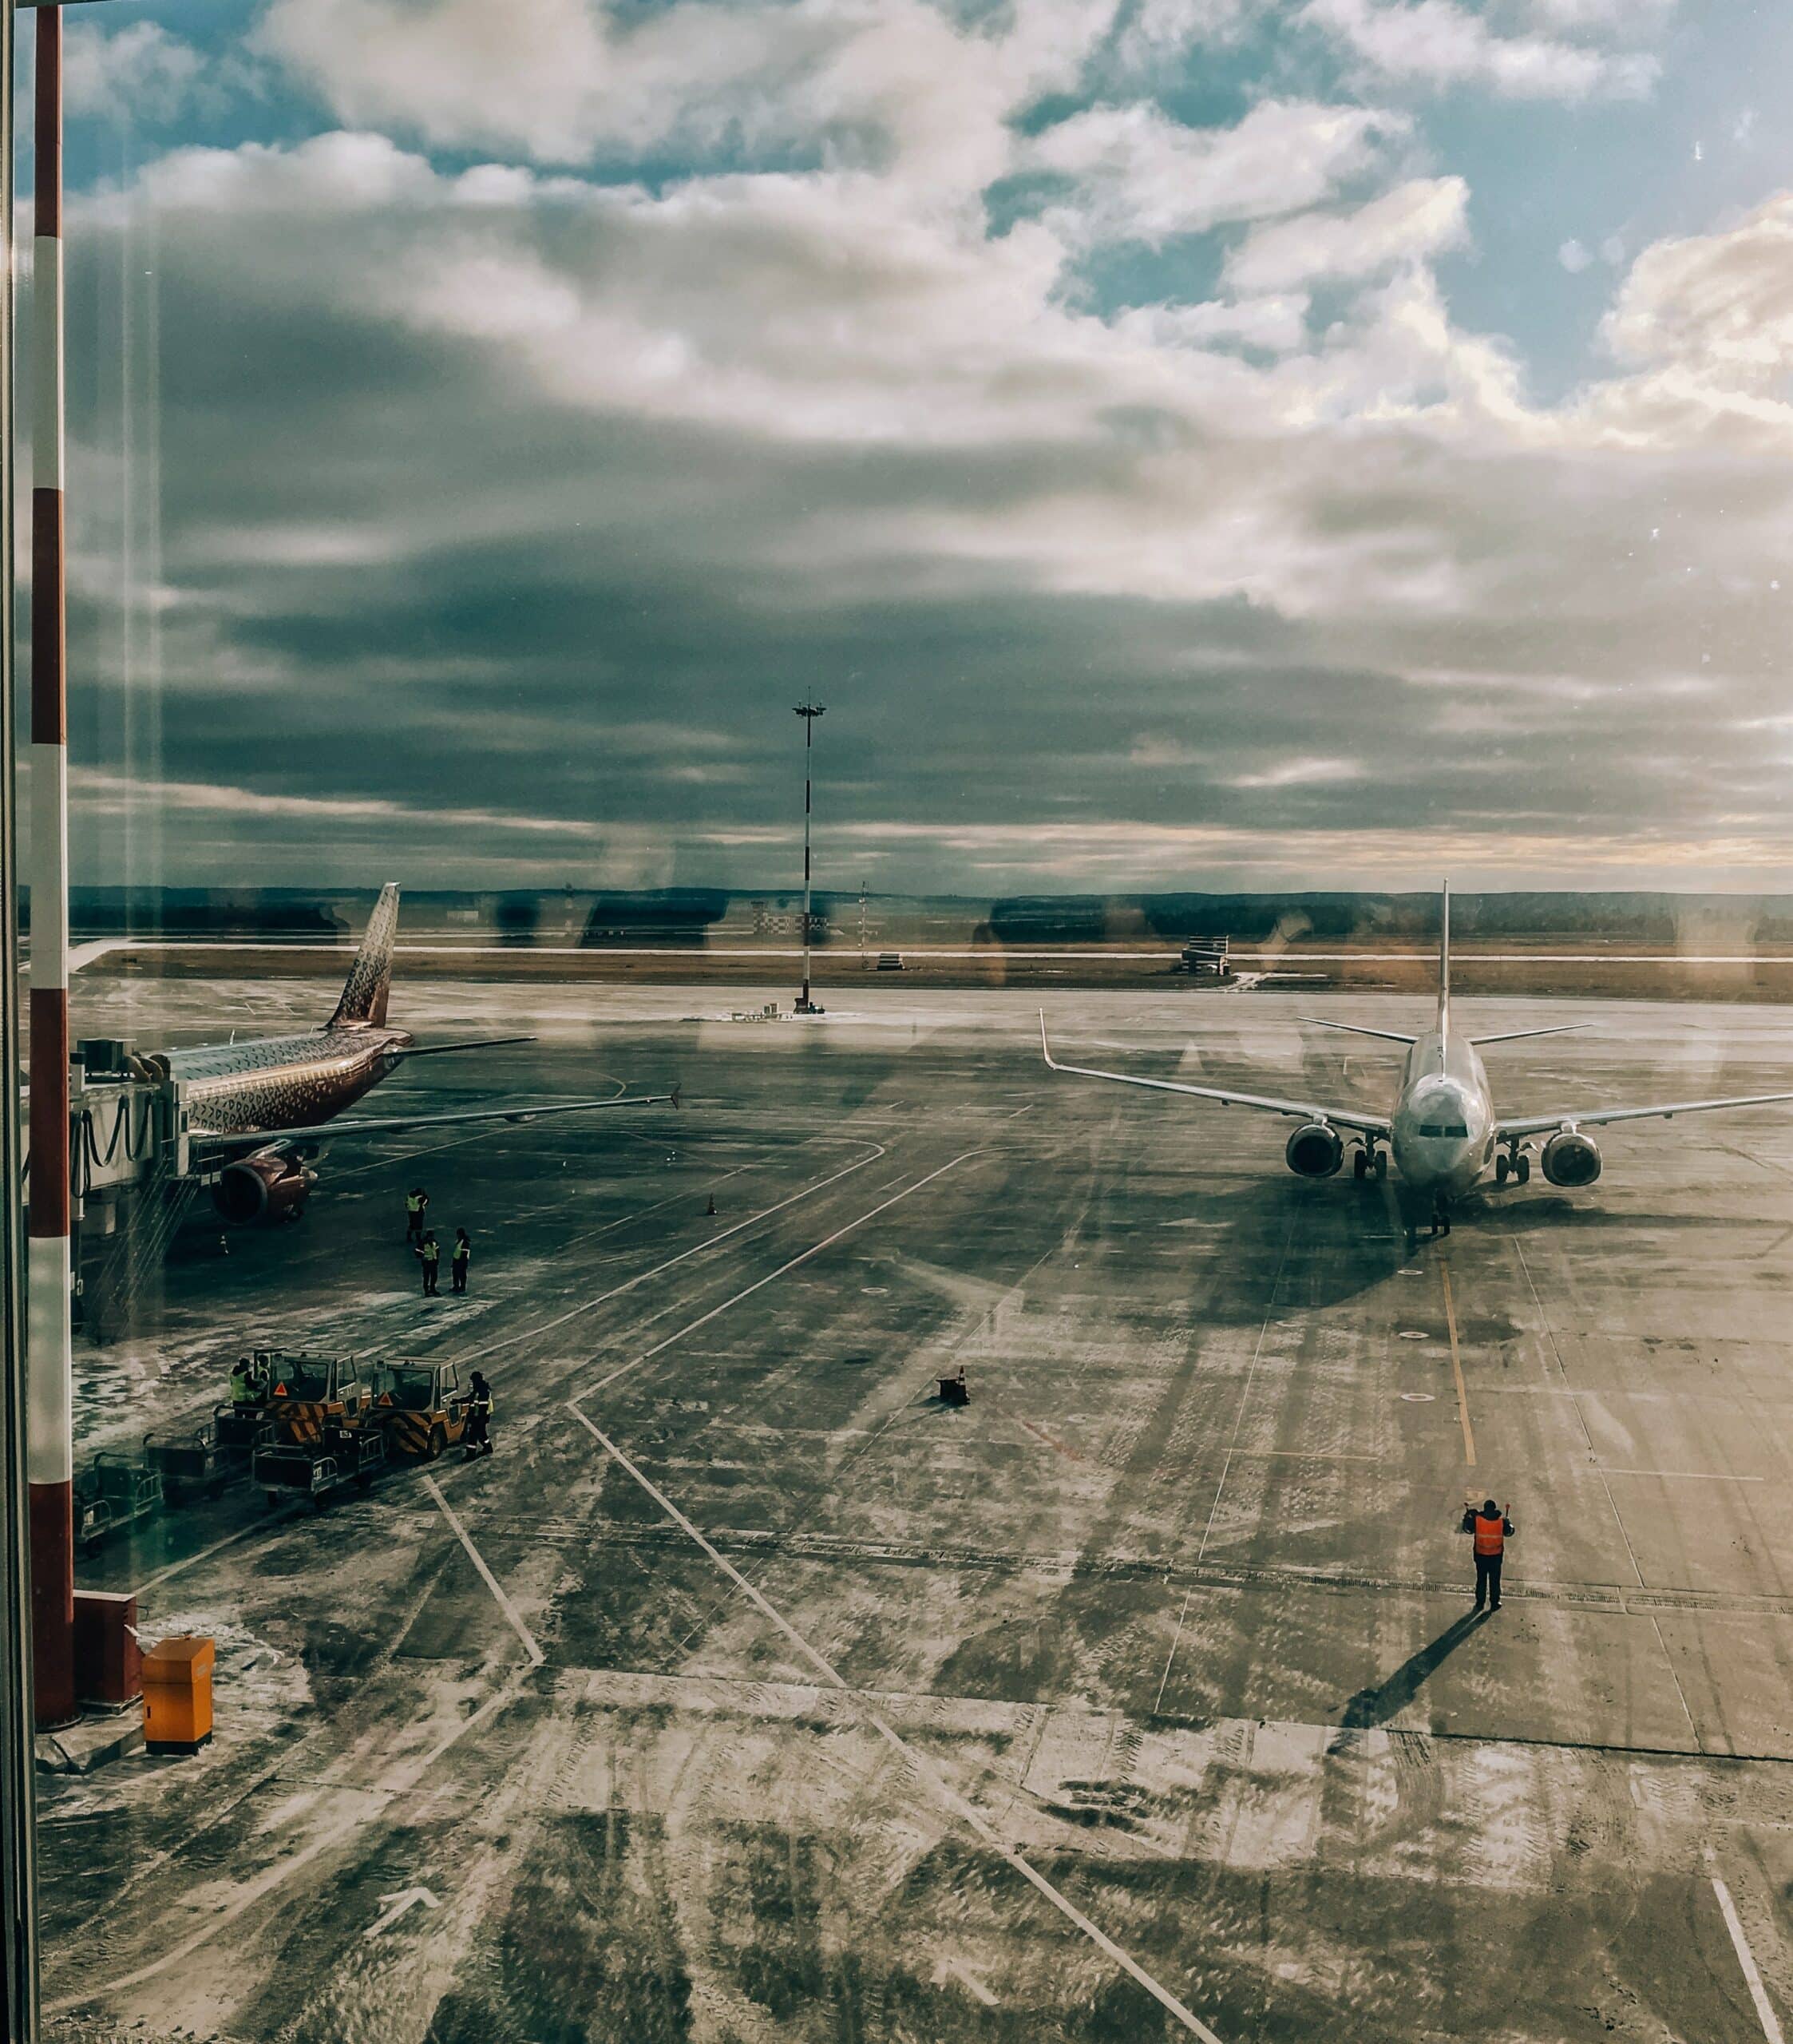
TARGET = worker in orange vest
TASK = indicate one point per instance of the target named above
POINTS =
(1491, 1529)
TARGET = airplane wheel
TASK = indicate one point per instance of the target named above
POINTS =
(1382, 1163)
(1502, 1166)
(1525, 1170)
(1360, 1166)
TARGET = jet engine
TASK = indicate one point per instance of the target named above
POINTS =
(1315, 1150)
(1571, 1159)
(262, 1189)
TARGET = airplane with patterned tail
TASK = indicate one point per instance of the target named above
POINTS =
(258, 1114)
(1442, 1131)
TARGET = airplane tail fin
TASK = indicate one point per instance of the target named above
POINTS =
(363, 1005)
(1444, 962)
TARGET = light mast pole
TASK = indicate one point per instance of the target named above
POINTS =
(809, 712)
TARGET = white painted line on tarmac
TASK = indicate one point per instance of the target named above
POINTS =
(955, 1969)
(511, 1614)
(772, 1278)
(1746, 1958)
(697, 1249)
(1158, 1701)
(967, 1812)
(1681, 1475)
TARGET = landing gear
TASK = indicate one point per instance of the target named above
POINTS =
(1360, 1165)
(1370, 1163)
(1514, 1164)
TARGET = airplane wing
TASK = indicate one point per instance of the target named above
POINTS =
(1300, 1110)
(1357, 1029)
(1596, 1117)
(1518, 1036)
(472, 1043)
(249, 1140)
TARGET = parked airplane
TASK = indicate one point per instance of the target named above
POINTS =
(259, 1113)
(1443, 1132)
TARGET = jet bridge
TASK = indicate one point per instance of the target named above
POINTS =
(129, 1177)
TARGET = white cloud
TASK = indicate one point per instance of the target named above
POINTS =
(1159, 32)
(1301, 772)
(1573, 257)
(1438, 43)
(1278, 324)
(626, 452)
(1707, 321)
(1411, 223)
(139, 71)
(868, 82)
(95, 786)
(1143, 176)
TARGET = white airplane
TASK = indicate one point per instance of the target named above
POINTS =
(1443, 1132)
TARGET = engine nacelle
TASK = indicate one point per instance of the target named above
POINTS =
(1571, 1159)
(1315, 1150)
(261, 1189)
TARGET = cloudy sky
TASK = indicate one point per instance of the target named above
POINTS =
(1185, 442)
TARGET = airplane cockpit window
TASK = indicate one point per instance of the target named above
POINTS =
(937, 855)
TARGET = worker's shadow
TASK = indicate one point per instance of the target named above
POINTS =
(1376, 1706)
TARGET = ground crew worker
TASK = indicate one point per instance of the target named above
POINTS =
(1491, 1529)
(462, 1257)
(477, 1441)
(416, 1201)
(430, 1251)
(245, 1388)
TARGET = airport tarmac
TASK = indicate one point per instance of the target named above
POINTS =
(749, 1692)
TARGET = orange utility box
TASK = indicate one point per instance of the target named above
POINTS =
(177, 1695)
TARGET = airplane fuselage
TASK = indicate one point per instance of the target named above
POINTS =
(284, 1082)
(1443, 1127)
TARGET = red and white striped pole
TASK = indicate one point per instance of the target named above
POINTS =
(50, 1367)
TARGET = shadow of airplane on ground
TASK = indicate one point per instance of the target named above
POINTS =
(1376, 1706)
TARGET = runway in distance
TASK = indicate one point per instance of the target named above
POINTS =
(259, 1113)
(1443, 1132)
